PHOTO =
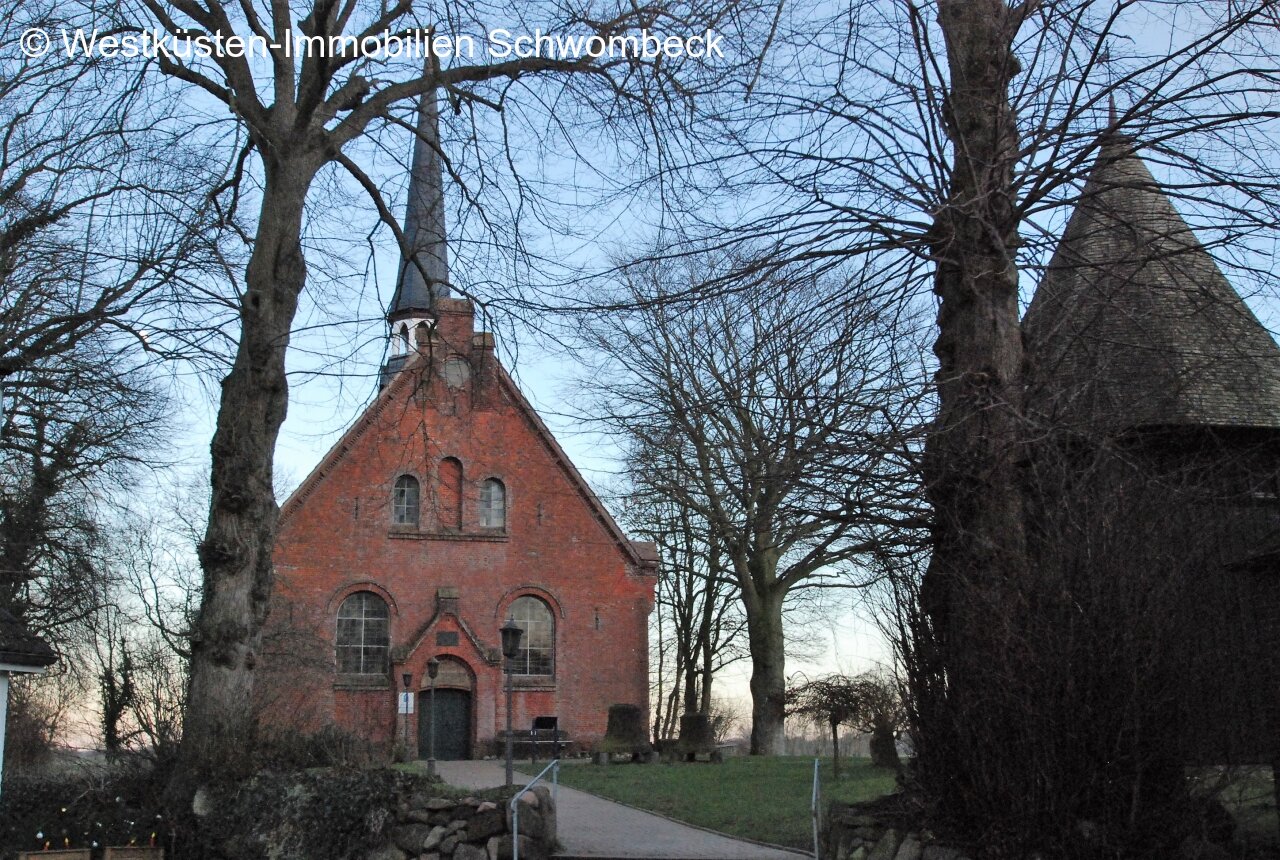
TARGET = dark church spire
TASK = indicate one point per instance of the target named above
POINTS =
(424, 230)
(423, 276)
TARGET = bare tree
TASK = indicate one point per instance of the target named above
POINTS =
(304, 116)
(698, 620)
(781, 426)
(937, 146)
(102, 226)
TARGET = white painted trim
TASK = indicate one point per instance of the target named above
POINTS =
(4, 715)
(14, 668)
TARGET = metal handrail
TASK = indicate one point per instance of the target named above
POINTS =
(814, 808)
(554, 767)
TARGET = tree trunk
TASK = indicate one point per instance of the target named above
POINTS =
(970, 590)
(235, 555)
(710, 598)
(835, 749)
(691, 680)
(768, 674)
(974, 445)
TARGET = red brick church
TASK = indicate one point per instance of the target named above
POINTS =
(445, 510)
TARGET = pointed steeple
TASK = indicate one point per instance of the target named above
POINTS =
(423, 277)
(1134, 325)
(424, 228)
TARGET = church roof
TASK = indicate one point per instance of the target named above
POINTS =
(20, 647)
(424, 229)
(1134, 325)
(635, 552)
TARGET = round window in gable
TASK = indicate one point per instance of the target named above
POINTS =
(456, 372)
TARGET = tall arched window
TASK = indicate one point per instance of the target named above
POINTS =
(538, 644)
(493, 504)
(404, 501)
(403, 340)
(449, 494)
(364, 634)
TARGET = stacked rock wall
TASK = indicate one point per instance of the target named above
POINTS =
(435, 828)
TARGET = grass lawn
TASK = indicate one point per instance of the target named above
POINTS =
(766, 799)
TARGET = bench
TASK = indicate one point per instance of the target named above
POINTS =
(546, 732)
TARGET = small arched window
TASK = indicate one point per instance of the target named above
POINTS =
(493, 504)
(404, 501)
(404, 338)
(364, 634)
(538, 644)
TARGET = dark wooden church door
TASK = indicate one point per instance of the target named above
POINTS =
(453, 724)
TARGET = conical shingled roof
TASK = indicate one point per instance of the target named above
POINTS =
(424, 229)
(1134, 325)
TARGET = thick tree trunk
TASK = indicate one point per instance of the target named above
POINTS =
(768, 674)
(235, 555)
(974, 446)
(972, 477)
(691, 682)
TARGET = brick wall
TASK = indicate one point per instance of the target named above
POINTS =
(337, 537)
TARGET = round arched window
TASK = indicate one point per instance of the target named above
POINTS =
(364, 635)
(538, 644)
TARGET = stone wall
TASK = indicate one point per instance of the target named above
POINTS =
(850, 833)
(434, 828)
(379, 814)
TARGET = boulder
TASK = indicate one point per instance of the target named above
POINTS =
(434, 838)
(910, 849)
(467, 851)
(411, 837)
(887, 847)
(499, 848)
(485, 824)
(531, 823)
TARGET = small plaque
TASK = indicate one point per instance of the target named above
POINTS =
(447, 638)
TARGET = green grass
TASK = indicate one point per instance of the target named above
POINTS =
(766, 799)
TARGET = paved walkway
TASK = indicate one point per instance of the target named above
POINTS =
(590, 826)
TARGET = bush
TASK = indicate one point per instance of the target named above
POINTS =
(283, 751)
(82, 809)
(331, 814)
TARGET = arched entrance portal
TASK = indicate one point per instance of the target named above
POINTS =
(452, 714)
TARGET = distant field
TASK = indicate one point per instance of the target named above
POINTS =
(766, 799)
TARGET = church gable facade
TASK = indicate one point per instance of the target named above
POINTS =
(446, 510)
